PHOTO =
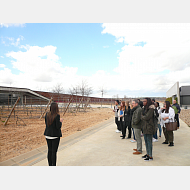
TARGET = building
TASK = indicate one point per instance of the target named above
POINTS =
(9, 95)
(182, 93)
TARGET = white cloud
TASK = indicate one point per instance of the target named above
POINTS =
(105, 46)
(6, 76)
(38, 66)
(11, 41)
(2, 65)
(12, 25)
(166, 48)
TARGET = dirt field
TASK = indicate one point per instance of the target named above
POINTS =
(16, 140)
(185, 116)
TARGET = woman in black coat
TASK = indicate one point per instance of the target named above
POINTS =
(53, 132)
(127, 121)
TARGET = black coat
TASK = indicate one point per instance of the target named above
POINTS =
(141, 104)
(127, 116)
(54, 130)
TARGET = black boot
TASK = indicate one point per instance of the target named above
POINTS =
(171, 144)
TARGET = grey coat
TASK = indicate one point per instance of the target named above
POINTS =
(136, 118)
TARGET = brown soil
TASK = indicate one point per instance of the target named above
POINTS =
(185, 116)
(16, 139)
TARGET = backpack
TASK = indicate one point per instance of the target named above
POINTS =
(175, 109)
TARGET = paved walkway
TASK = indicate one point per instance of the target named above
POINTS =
(101, 146)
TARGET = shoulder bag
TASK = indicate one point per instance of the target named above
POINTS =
(171, 126)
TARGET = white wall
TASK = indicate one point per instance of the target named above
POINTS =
(174, 90)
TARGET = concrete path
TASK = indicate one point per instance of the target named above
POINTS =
(101, 146)
(105, 148)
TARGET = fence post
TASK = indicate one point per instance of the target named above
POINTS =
(12, 110)
(86, 104)
(46, 107)
(8, 102)
(78, 106)
(68, 105)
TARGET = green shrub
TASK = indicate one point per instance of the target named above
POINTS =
(176, 100)
(169, 99)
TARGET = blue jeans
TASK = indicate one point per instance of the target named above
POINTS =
(155, 135)
(148, 143)
(160, 129)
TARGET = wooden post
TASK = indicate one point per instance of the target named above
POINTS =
(41, 106)
(78, 105)
(87, 102)
(8, 102)
(68, 105)
(46, 107)
(11, 99)
(12, 110)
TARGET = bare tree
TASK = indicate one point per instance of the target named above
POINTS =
(116, 96)
(103, 91)
(74, 91)
(125, 98)
(85, 89)
(88, 91)
(58, 89)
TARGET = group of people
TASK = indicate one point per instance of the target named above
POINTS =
(141, 117)
(144, 118)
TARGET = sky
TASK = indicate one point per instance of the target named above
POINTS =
(131, 59)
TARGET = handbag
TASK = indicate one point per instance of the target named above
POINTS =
(171, 126)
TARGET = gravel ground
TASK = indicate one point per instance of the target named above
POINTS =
(16, 140)
(185, 116)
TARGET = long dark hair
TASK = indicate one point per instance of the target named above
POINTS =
(149, 102)
(167, 106)
(54, 111)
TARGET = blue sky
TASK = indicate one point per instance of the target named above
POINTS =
(78, 45)
(127, 59)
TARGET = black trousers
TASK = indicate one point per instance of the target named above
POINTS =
(117, 123)
(123, 128)
(177, 119)
(52, 150)
(129, 131)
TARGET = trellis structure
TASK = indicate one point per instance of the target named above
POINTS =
(12, 111)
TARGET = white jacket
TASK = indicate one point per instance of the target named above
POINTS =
(159, 117)
(115, 110)
(121, 115)
(171, 116)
